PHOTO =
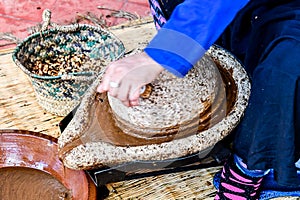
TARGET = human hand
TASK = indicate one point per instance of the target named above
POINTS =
(124, 78)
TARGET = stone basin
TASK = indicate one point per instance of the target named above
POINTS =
(201, 111)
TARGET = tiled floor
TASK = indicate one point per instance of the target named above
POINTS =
(17, 16)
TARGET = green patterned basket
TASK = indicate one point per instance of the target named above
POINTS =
(63, 61)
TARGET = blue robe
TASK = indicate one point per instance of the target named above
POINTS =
(265, 36)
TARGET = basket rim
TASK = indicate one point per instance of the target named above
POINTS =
(65, 28)
(61, 76)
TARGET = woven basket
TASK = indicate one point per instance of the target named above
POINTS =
(63, 61)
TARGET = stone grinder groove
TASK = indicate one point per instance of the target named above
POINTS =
(116, 152)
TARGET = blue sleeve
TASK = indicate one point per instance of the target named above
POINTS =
(192, 28)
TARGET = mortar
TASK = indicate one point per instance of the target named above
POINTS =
(97, 137)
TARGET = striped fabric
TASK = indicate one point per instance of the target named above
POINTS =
(157, 13)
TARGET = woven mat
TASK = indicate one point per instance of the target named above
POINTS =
(20, 110)
(194, 184)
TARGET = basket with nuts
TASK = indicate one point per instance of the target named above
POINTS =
(59, 65)
(63, 61)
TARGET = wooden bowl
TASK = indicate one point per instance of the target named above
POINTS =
(30, 169)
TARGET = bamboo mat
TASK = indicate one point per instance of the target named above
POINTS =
(20, 110)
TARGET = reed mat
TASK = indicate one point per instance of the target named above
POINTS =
(18, 106)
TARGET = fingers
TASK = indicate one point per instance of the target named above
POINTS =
(126, 93)
(125, 90)
(124, 78)
(114, 88)
(104, 85)
(111, 78)
(121, 93)
(134, 96)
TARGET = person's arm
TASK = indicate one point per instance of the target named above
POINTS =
(192, 28)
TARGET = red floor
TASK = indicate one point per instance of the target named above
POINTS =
(17, 16)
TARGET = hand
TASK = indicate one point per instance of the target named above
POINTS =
(124, 78)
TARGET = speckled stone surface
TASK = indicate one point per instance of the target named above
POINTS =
(173, 103)
(93, 154)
